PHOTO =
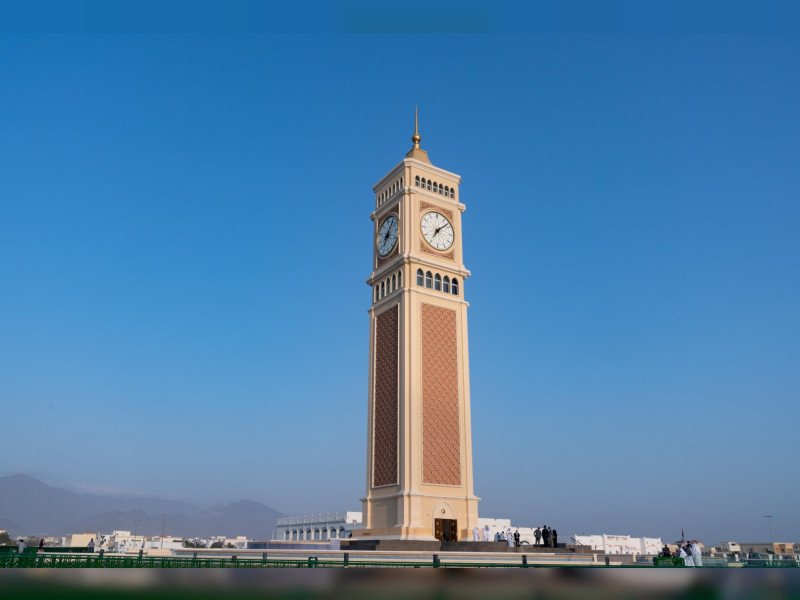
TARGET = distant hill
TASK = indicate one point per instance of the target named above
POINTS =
(30, 507)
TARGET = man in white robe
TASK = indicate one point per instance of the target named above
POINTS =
(697, 556)
(475, 536)
(485, 533)
(510, 538)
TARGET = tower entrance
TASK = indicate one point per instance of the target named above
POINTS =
(445, 530)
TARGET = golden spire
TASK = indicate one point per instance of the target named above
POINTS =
(416, 138)
(416, 151)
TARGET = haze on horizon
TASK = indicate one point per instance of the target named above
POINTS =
(185, 237)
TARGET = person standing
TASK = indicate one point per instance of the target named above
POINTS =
(509, 538)
(90, 545)
(485, 533)
(687, 551)
(516, 538)
(554, 535)
(41, 545)
(21, 545)
(537, 536)
(475, 537)
(697, 556)
(546, 536)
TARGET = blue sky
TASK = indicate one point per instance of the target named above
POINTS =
(185, 236)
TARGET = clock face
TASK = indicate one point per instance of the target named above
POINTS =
(387, 236)
(437, 230)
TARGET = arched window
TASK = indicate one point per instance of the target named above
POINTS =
(441, 189)
(446, 284)
(428, 279)
(416, 181)
(401, 182)
(429, 184)
(452, 192)
(446, 190)
(383, 289)
(388, 286)
(454, 286)
(435, 187)
(423, 182)
(437, 283)
(399, 279)
(377, 289)
(394, 282)
(420, 277)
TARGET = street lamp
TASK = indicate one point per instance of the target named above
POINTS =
(163, 528)
(771, 537)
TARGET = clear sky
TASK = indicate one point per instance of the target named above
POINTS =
(185, 238)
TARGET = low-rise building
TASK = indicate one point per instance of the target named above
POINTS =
(317, 527)
(81, 540)
(620, 544)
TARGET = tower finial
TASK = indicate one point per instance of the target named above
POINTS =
(416, 138)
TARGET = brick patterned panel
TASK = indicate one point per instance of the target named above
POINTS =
(441, 458)
(384, 450)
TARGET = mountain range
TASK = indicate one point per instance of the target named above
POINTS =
(30, 507)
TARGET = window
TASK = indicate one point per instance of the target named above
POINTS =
(429, 185)
(446, 284)
(376, 293)
(446, 190)
(416, 181)
(437, 283)
(452, 192)
(428, 279)
(399, 279)
(454, 286)
(441, 189)
(420, 277)
(435, 187)
(383, 289)
(394, 282)
(423, 182)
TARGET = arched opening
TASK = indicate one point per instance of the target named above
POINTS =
(454, 286)
(376, 293)
(428, 279)
(437, 283)
(394, 282)
(424, 183)
(447, 190)
(429, 185)
(416, 181)
(341, 532)
(383, 289)
(399, 279)
(420, 277)
(452, 193)
(446, 284)
(333, 534)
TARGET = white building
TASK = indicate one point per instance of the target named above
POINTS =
(123, 541)
(317, 527)
(620, 544)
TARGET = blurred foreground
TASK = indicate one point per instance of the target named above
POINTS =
(546, 583)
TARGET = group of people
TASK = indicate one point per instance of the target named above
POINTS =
(548, 536)
(543, 536)
(688, 551)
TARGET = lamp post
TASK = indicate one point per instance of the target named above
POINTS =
(771, 537)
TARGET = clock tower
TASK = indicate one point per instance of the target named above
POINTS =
(419, 441)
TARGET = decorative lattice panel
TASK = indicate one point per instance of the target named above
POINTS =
(384, 451)
(441, 456)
